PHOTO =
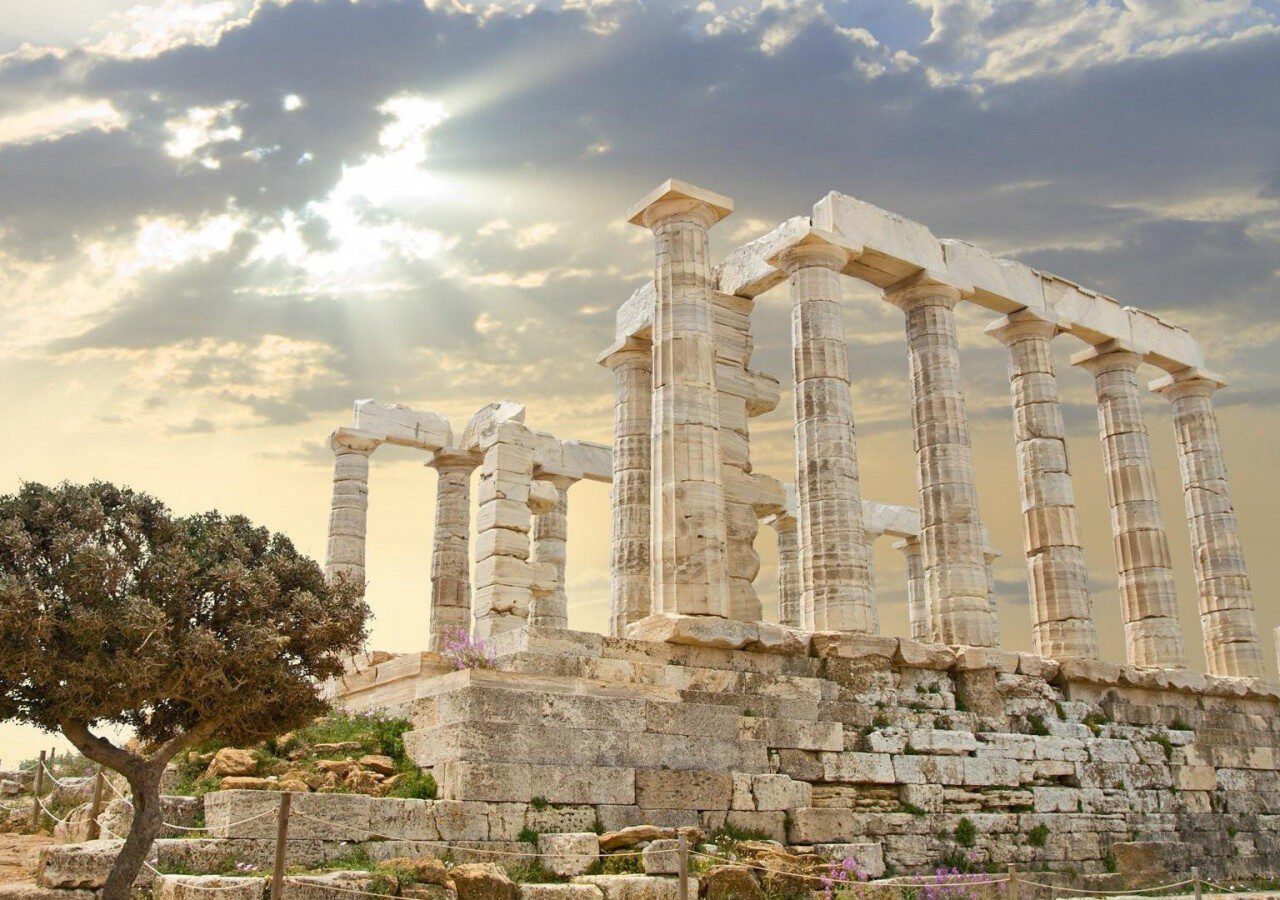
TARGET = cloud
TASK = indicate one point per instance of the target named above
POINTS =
(59, 119)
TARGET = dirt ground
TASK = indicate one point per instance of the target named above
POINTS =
(17, 856)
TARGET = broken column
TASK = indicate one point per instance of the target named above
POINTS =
(917, 605)
(951, 534)
(450, 576)
(349, 508)
(689, 572)
(834, 560)
(550, 543)
(1062, 625)
(790, 599)
(629, 590)
(1227, 620)
(1144, 568)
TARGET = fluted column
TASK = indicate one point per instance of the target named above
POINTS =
(1062, 625)
(550, 546)
(834, 560)
(790, 606)
(917, 605)
(1143, 565)
(689, 571)
(993, 602)
(450, 551)
(349, 508)
(951, 533)
(629, 589)
(1227, 620)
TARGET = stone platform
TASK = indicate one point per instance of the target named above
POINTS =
(938, 753)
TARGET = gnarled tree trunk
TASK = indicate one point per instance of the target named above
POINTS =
(144, 784)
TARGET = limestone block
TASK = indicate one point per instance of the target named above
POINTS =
(560, 892)
(85, 865)
(27, 891)
(859, 768)
(774, 792)
(944, 743)
(568, 854)
(781, 639)
(816, 825)
(403, 819)
(515, 782)
(677, 789)
(893, 247)
(730, 883)
(886, 740)
(928, 797)
(460, 820)
(697, 631)
(1056, 799)
(847, 645)
(197, 887)
(971, 658)
(794, 733)
(1195, 778)
(929, 769)
(990, 770)
(637, 887)
(661, 857)
(772, 823)
(924, 656)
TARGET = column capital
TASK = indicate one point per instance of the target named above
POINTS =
(353, 440)
(1109, 356)
(1026, 323)
(626, 352)
(1189, 382)
(814, 248)
(563, 480)
(909, 545)
(675, 198)
(452, 459)
(925, 287)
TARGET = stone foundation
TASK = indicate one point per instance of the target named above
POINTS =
(937, 753)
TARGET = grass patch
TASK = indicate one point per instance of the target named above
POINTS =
(966, 832)
(1038, 836)
(527, 835)
(1036, 725)
(415, 785)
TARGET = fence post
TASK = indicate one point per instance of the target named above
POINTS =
(35, 793)
(1195, 882)
(1013, 882)
(683, 845)
(282, 837)
(95, 807)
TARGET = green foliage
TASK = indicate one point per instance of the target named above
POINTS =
(729, 834)
(374, 734)
(880, 720)
(531, 871)
(913, 810)
(1109, 862)
(1060, 709)
(1164, 742)
(527, 835)
(617, 864)
(1038, 836)
(415, 785)
(539, 803)
(1036, 725)
(1179, 724)
(966, 832)
(1095, 721)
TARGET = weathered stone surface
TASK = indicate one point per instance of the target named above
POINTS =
(230, 761)
(568, 854)
(637, 887)
(483, 881)
(635, 834)
(730, 883)
(36, 892)
(199, 887)
(328, 886)
(560, 892)
(85, 865)
(697, 631)
(661, 857)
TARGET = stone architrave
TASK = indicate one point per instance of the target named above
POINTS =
(1227, 620)
(1062, 624)
(349, 508)
(688, 563)
(790, 600)
(629, 585)
(834, 558)
(503, 572)
(550, 545)
(450, 553)
(917, 605)
(1144, 567)
(951, 532)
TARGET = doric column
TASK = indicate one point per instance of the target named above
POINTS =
(834, 561)
(1227, 620)
(550, 543)
(951, 533)
(1147, 596)
(1062, 625)
(917, 605)
(689, 572)
(629, 591)
(450, 553)
(993, 603)
(349, 508)
(790, 606)
(503, 573)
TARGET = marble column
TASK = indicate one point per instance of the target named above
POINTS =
(993, 602)
(629, 590)
(450, 551)
(1062, 625)
(951, 533)
(349, 508)
(917, 605)
(503, 573)
(834, 557)
(1144, 568)
(1227, 620)
(688, 563)
(550, 545)
(790, 605)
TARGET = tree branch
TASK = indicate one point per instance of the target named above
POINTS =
(99, 749)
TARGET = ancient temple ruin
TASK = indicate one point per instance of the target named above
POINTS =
(818, 729)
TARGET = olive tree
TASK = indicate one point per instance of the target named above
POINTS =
(114, 612)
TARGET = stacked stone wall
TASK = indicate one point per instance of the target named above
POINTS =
(939, 754)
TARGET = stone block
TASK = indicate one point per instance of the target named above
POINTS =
(404, 819)
(637, 887)
(1056, 799)
(461, 820)
(199, 887)
(560, 892)
(924, 656)
(661, 857)
(859, 768)
(772, 823)
(1195, 778)
(36, 892)
(943, 743)
(75, 866)
(683, 789)
(817, 825)
(696, 631)
(869, 857)
(848, 645)
(774, 792)
(909, 769)
(926, 797)
(518, 782)
(568, 854)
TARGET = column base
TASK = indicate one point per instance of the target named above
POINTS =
(720, 634)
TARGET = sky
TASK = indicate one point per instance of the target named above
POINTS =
(225, 221)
